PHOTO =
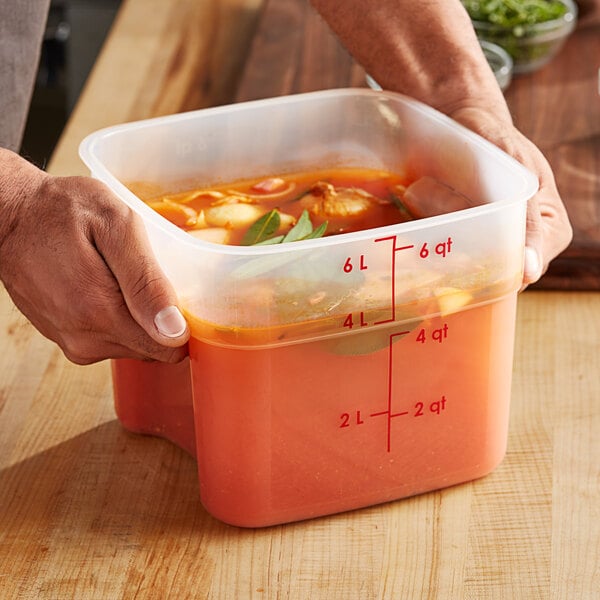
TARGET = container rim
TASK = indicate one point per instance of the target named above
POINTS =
(87, 152)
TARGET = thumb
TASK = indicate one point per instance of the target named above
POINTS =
(152, 303)
(170, 326)
(149, 296)
(533, 266)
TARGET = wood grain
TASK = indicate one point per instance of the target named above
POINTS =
(558, 108)
(161, 58)
(294, 51)
(89, 511)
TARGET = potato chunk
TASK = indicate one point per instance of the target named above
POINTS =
(216, 235)
(232, 216)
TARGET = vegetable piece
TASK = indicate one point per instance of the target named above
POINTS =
(286, 221)
(396, 196)
(317, 233)
(233, 198)
(274, 240)
(272, 184)
(189, 197)
(264, 227)
(514, 13)
(216, 235)
(452, 299)
(258, 233)
(178, 214)
(234, 216)
(427, 197)
(301, 229)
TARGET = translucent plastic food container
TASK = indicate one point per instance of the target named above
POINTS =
(341, 372)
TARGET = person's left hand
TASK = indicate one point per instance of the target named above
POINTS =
(549, 231)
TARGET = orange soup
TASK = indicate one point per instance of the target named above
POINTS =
(334, 201)
(285, 430)
(314, 428)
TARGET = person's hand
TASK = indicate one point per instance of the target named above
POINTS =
(548, 229)
(76, 261)
(433, 55)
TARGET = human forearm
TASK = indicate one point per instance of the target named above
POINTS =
(427, 50)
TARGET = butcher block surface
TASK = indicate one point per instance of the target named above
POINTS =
(89, 511)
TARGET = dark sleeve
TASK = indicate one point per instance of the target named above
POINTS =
(22, 24)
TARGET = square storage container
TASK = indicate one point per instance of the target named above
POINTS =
(336, 373)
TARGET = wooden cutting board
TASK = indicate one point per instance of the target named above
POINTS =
(557, 107)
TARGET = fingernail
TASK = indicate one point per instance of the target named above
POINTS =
(170, 322)
(532, 267)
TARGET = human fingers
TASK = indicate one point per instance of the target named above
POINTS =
(51, 266)
(128, 302)
(148, 294)
(548, 230)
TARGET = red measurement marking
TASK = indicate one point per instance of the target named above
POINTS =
(395, 249)
(349, 267)
(385, 412)
(442, 249)
(399, 415)
(349, 321)
(388, 412)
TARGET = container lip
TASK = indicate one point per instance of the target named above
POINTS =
(88, 145)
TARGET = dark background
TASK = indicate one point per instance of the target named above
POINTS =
(74, 35)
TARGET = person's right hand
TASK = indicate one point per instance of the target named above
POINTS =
(76, 261)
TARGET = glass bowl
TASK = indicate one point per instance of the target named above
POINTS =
(500, 62)
(531, 46)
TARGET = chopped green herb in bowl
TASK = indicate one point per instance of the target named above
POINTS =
(531, 31)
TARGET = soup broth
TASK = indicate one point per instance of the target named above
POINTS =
(337, 200)
(313, 428)
(290, 421)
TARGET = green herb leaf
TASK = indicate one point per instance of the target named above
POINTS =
(514, 13)
(264, 227)
(366, 342)
(318, 232)
(258, 233)
(274, 240)
(300, 230)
